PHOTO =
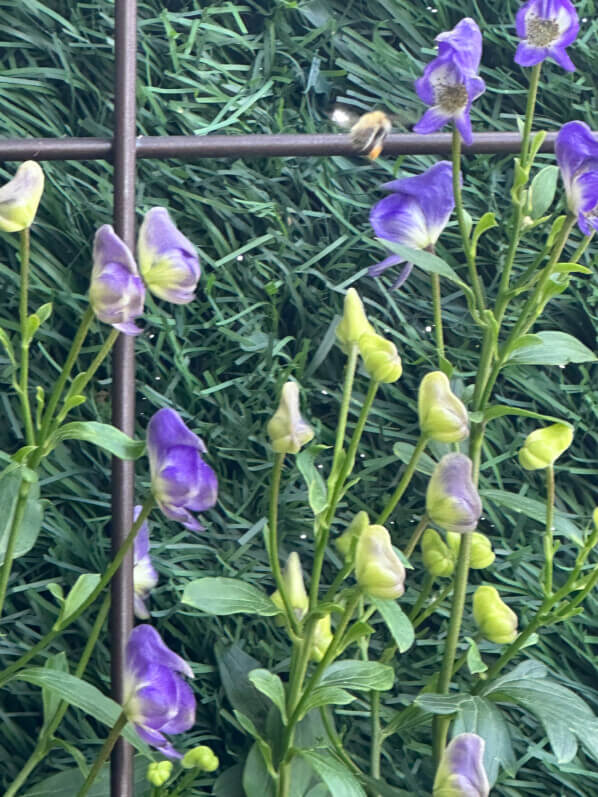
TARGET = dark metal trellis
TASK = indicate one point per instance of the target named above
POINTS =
(123, 150)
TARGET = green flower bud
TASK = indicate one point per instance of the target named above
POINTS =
(442, 416)
(438, 557)
(295, 588)
(493, 617)
(201, 757)
(354, 322)
(452, 501)
(158, 772)
(321, 639)
(20, 197)
(482, 554)
(287, 429)
(380, 357)
(544, 446)
(344, 543)
(379, 571)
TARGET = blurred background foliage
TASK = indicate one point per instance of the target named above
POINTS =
(280, 240)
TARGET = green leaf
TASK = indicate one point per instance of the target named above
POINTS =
(270, 685)
(481, 716)
(221, 596)
(440, 704)
(357, 631)
(339, 779)
(10, 484)
(487, 222)
(542, 190)
(5, 341)
(316, 487)
(359, 675)
(428, 262)
(571, 268)
(44, 312)
(501, 410)
(69, 782)
(327, 696)
(555, 348)
(50, 699)
(104, 436)
(535, 510)
(79, 593)
(234, 666)
(256, 780)
(557, 226)
(398, 623)
(265, 749)
(404, 452)
(475, 662)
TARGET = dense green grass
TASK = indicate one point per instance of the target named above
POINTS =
(280, 242)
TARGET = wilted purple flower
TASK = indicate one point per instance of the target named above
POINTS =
(452, 501)
(546, 28)
(145, 577)
(157, 700)
(116, 292)
(461, 770)
(577, 155)
(450, 82)
(414, 214)
(181, 481)
(167, 260)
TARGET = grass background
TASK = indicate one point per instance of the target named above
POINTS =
(280, 241)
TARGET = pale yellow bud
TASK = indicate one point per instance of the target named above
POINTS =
(437, 557)
(20, 197)
(544, 446)
(344, 543)
(287, 430)
(354, 322)
(378, 569)
(496, 621)
(201, 757)
(321, 639)
(482, 554)
(380, 358)
(294, 586)
(442, 416)
(158, 772)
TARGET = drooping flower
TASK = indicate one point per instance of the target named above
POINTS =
(287, 429)
(544, 446)
(145, 577)
(181, 481)
(461, 770)
(19, 198)
(378, 569)
(452, 501)
(546, 27)
(442, 416)
(167, 260)
(450, 82)
(577, 156)
(157, 700)
(415, 213)
(116, 293)
(496, 621)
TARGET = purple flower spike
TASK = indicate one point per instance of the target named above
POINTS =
(546, 27)
(450, 82)
(116, 292)
(167, 260)
(157, 700)
(181, 481)
(145, 577)
(577, 155)
(461, 771)
(414, 214)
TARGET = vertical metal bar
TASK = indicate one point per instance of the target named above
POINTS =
(123, 385)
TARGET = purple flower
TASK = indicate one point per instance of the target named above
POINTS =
(167, 260)
(577, 155)
(452, 501)
(414, 214)
(461, 770)
(157, 700)
(116, 292)
(181, 481)
(450, 82)
(546, 27)
(145, 577)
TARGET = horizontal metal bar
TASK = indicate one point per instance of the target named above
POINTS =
(218, 146)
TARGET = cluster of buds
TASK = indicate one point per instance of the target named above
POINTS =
(439, 557)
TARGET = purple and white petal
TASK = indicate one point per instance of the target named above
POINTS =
(432, 121)
(401, 219)
(546, 27)
(146, 645)
(559, 55)
(464, 41)
(166, 428)
(380, 268)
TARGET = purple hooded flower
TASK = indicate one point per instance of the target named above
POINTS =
(116, 292)
(414, 214)
(167, 260)
(145, 577)
(546, 27)
(181, 481)
(450, 82)
(452, 501)
(577, 155)
(461, 770)
(157, 700)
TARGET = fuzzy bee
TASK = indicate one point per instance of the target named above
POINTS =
(367, 132)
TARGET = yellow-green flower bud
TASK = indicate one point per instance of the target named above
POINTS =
(482, 554)
(379, 571)
(158, 772)
(287, 429)
(20, 197)
(493, 617)
(321, 639)
(201, 757)
(442, 416)
(380, 358)
(344, 543)
(295, 588)
(354, 322)
(544, 446)
(437, 556)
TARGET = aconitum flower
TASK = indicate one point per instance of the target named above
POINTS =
(546, 27)
(461, 770)
(452, 501)
(415, 213)
(544, 446)
(167, 260)
(378, 569)
(577, 156)
(287, 429)
(157, 700)
(145, 577)
(181, 481)
(450, 82)
(495, 620)
(19, 198)
(116, 293)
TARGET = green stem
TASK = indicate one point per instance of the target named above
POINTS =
(405, 479)
(24, 370)
(377, 739)
(273, 543)
(438, 331)
(419, 530)
(344, 408)
(417, 621)
(548, 533)
(534, 80)
(423, 596)
(13, 536)
(336, 741)
(104, 753)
